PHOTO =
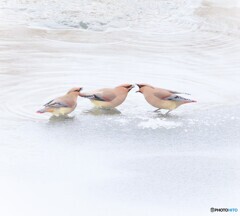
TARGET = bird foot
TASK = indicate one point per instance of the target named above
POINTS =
(157, 110)
(167, 112)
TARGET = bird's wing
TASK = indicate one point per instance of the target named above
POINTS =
(105, 95)
(177, 98)
(48, 103)
(175, 92)
(56, 104)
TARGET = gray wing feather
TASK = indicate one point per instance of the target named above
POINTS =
(55, 104)
(101, 97)
(48, 103)
(93, 97)
(175, 92)
(176, 98)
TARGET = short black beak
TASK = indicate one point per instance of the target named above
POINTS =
(139, 86)
(130, 87)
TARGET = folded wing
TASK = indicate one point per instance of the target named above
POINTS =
(56, 104)
(177, 98)
(106, 96)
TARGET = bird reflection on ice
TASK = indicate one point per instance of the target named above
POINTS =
(57, 119)
(102, 111)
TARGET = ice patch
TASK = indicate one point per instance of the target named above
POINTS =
(122, 121)
(159, 123)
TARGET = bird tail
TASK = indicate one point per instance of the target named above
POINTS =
(41, 111)
(190, 101)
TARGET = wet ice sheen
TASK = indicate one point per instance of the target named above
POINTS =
(129, 161)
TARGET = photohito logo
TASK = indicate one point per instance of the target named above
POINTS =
(223, 209)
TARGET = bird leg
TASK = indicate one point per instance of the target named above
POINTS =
(168, 112)
(157, 110)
